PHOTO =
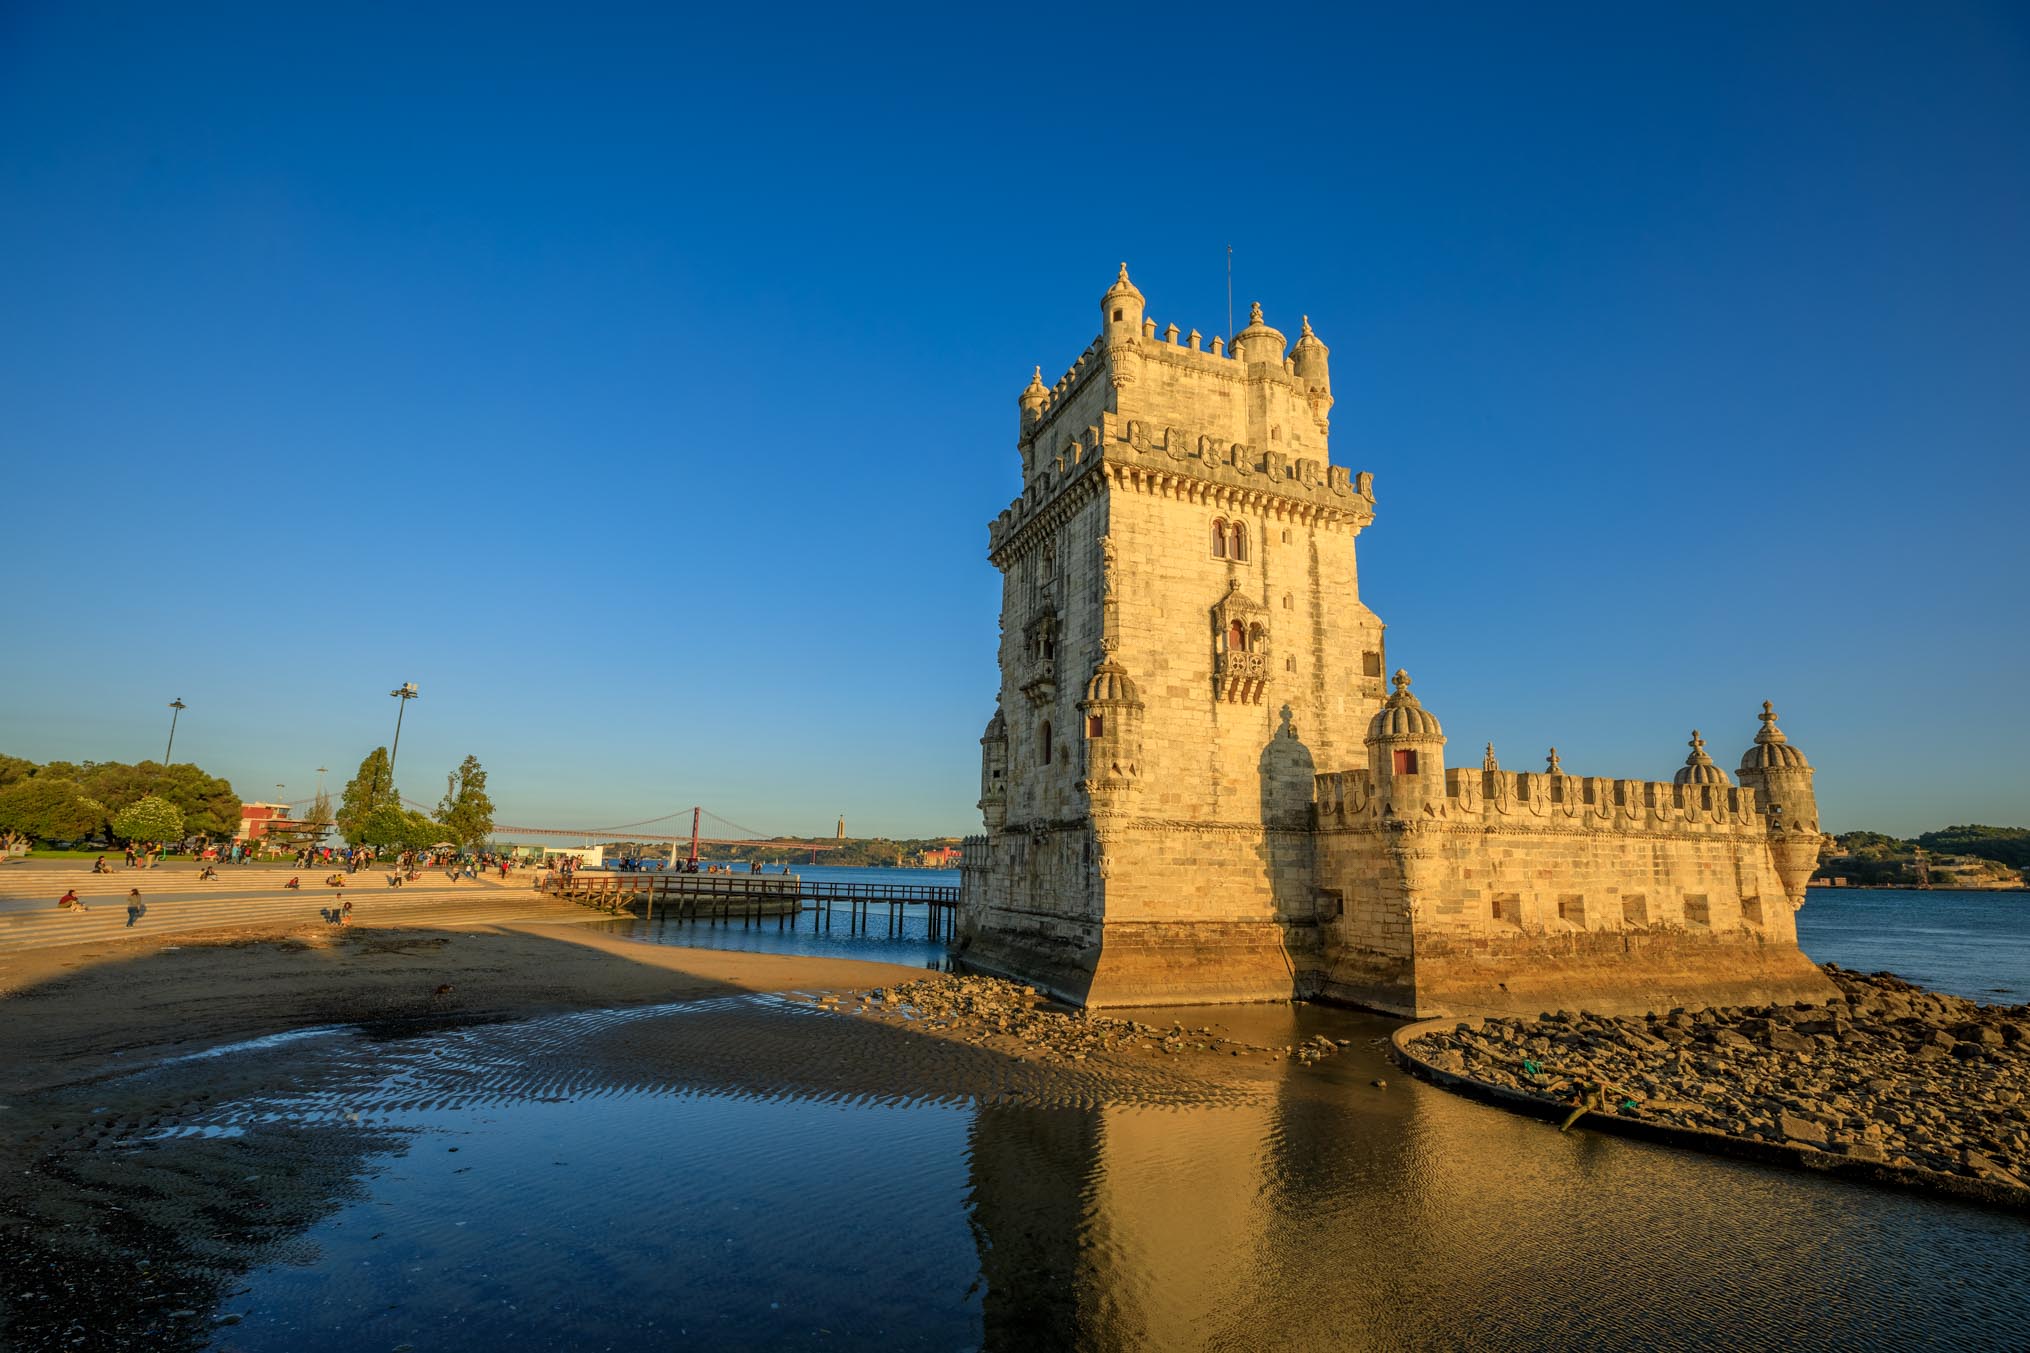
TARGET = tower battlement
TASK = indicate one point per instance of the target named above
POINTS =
(1197, 786)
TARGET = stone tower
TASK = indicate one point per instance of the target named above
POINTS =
(1195, 787)
(1181, 539)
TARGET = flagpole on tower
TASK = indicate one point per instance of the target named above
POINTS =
(1229, 293)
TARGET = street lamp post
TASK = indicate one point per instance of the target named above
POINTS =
(404, 693)
(176, 708)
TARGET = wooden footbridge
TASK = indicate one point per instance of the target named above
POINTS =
(754, 898)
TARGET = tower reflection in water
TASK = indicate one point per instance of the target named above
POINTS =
(1332, 1214)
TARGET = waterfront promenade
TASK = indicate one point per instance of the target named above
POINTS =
(251, 897)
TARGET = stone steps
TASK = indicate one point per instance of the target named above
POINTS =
(46, 883)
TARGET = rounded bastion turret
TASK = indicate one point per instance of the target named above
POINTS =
(1699, 768)
(1782, 781)
(1111, 716)
(1406, 753)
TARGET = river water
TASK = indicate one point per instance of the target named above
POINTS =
(1972, 944)
(751, 1172)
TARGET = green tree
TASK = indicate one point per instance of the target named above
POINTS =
(14, 769)
(391, 827)
(50, 808)
(319, 815)
(467, 813)
(208, 803)
(150, 818)
(2004, 845)
(362, 794)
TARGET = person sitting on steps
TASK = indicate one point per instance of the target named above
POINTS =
(99, 866)
(70, 901)
(207, 873)
(294, 882)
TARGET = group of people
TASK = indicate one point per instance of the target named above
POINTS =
(136, 908)
(140, 855)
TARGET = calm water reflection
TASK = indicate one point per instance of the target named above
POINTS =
(747, 1172)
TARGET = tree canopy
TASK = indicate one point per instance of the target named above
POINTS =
(50, 808)
(208, 803)
(149, 818)
(363, 793)
(2004, 845)
(466, 811)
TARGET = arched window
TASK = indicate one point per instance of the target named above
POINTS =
(1046, 742)
(1237, 541)
(1219, 538)
(1236, 638)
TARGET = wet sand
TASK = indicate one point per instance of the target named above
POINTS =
(76, 1013)
(104, 1050)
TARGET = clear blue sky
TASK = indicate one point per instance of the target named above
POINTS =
(639, 381)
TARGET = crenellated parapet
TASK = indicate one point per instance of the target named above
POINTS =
(1180, 464)
(1525, 799)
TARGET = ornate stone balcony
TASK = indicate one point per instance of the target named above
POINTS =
(1040, 684)
(1240, 676)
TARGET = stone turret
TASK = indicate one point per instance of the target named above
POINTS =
(1258, 343)
(1121, 310)
(994, 771)
(1310, 363)
(1406, 753)
(1782, 781)
(1699, 768)
(1032, 399)
(1111, 715)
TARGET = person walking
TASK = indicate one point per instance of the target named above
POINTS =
(134, 907)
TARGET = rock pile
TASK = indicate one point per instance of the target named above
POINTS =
(983, 1009)
(1885, 1072)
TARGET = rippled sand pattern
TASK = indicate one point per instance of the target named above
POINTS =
(755, 1171)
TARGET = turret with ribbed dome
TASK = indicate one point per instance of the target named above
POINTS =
(1782, 781)
(1402, 715)
(1699, 768)
(1406, 753)
(1771, 750)
(1111, 714)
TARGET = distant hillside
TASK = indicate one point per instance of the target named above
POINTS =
(1957, 857)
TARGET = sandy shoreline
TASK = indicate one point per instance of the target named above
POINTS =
(75, 1013)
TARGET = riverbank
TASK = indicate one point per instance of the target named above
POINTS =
(1888, 1081)
(79, 1012)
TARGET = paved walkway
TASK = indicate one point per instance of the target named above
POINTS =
(253, 895)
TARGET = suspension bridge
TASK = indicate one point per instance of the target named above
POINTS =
(632, 831)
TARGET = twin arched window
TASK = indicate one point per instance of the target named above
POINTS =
(1229, 540)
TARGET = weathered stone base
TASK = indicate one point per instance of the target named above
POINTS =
(1147, 963)
(1615, 973)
